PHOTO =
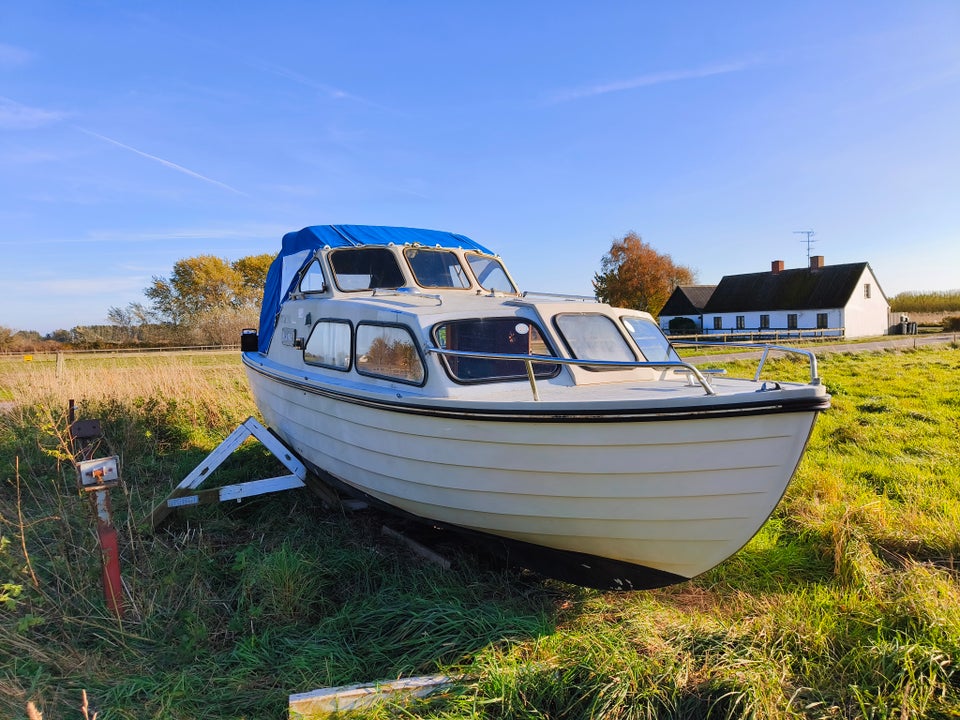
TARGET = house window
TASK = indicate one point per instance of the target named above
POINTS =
(764, 322)
(822, 320)
(717, 322)
(866, 290)
(791, 321)
(741, 322)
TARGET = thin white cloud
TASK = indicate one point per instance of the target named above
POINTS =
(233, 234)
(165, 163)
(78, 288)
(646, 81)
(332, 92)
(10, 55)
(249, 234)
(17, 116)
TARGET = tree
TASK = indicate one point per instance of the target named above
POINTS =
(252, 272)
(206, 299)
(197, 285)
(634, 275)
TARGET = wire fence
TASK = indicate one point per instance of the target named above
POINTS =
(54, 355)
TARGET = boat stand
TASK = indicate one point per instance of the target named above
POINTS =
(187, 495)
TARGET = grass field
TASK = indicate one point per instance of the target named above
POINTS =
(846, 605)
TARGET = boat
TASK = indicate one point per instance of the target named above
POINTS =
(405, 366)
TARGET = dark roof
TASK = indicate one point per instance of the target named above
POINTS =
(688, 300)
(830, 286)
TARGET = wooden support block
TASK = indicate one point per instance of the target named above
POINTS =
(417, 548)
(354, 698)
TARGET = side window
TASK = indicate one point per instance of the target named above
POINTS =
(490, 273)
(650, 340)
(388, 351)
(866, 291)
(329, 345)
(764, 322)
(822, 320)
(741, 322)
(313, 280)
(506, 335)
(717, 322)
(594, 337)
(792, 321)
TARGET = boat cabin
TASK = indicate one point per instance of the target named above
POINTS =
(379, 309)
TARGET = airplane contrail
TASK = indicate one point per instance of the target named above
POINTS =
(166, 163)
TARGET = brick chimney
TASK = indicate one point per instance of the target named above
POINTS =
(776, 267)
(816, 262)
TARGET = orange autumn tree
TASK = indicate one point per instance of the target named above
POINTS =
(634, 275)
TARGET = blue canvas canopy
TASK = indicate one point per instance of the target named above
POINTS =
(298, 248)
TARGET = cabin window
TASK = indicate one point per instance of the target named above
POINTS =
(717, 322)
(650, 340)
(329, 345)
(505, 335)
(365, 269)
(822, 320)
(764, 322)
(590, 336)
(436, 268)
(313, 280)
(791, 321)
(866, 291)
(388, 351)
(741, 322)
(490, 273)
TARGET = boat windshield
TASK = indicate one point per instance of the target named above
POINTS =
(436, 268)
(312, 280)
(508, 335)
(654, 346)
(365, 269)
(593, 336)
(490, 273)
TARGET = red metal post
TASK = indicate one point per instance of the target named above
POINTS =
(112, 589)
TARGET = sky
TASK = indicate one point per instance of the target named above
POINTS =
(135, 134)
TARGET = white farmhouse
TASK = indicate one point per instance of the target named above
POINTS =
(830, 300)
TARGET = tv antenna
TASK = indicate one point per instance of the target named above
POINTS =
(808, 240)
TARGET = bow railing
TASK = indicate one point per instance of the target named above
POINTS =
(530, 360)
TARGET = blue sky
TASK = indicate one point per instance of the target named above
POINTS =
(134, 134)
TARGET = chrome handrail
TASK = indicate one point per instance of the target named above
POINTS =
(529, 360)
(559, 296)
(812, 359)
(407, 292)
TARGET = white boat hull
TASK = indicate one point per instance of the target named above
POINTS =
(632, 503)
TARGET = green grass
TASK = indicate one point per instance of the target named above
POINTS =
(845, 605)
